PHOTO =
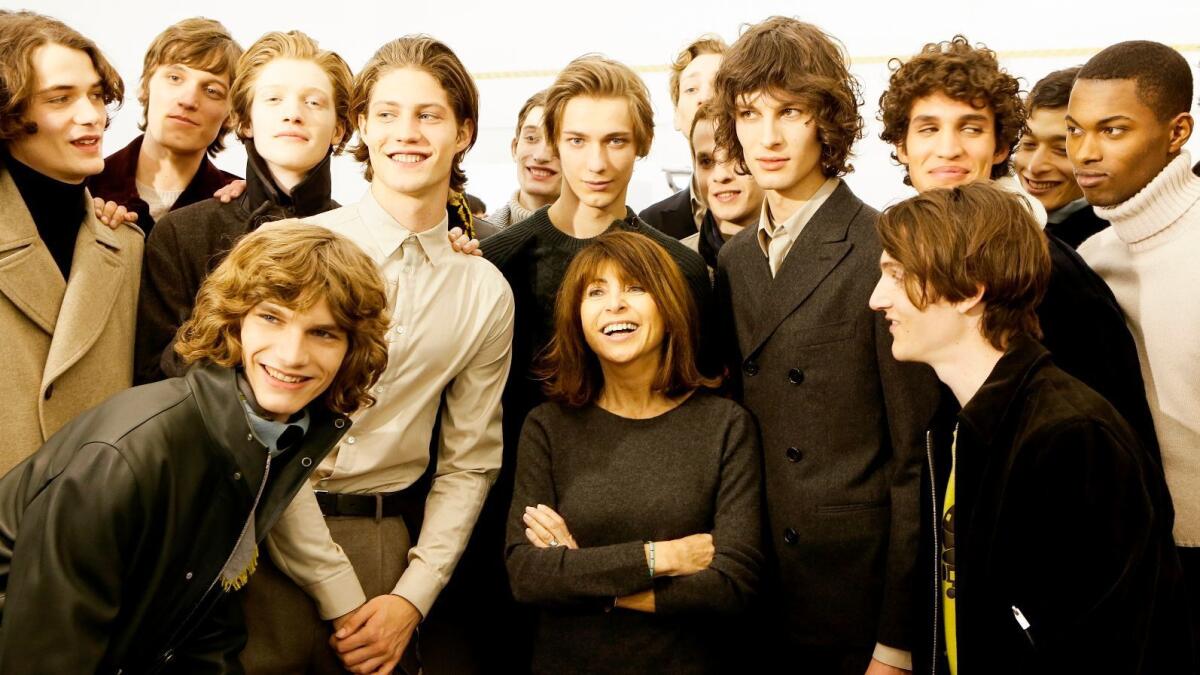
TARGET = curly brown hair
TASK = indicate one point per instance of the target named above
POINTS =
(800, 63)
(296, 265)
(970, 74)
(21, 33)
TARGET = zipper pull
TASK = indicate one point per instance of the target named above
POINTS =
(1023, 623)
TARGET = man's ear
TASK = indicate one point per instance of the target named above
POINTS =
(1000, 155)
(1181, 131)
(514, 149)
(902, 154)
(464, 135)
(972, 304)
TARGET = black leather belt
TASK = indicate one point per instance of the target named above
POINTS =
(376, 505)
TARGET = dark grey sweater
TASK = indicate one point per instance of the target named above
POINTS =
(618, 483)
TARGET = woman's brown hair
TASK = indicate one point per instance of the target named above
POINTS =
(290, 45)
(295, 265)
(951, 242)
(571, 370)
(798, 63)
(21, 33)
(964, 73)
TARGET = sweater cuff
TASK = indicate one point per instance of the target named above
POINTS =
(337, 595)
(890, 656)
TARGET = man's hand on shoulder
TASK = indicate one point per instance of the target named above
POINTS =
(372, 638)
(231, 191)
(112, 214)
(462, 243)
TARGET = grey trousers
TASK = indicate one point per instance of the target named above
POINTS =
(286, 635)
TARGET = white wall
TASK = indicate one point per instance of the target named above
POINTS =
(515, 48)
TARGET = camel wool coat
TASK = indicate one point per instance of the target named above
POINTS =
(67, 344)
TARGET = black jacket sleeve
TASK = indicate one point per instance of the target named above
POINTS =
(69, 565)
(164, 302)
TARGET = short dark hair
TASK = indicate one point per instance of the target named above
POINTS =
(476, 204)
(952, 241)
(970, 74)
(1052, 91)
(1163, 76)
(570, 369)
(800, 62)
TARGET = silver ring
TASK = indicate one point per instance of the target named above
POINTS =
(553, 543)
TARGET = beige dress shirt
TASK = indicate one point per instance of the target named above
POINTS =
(776, 239)
(451, 333)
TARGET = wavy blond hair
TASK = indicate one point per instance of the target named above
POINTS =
(296, 265)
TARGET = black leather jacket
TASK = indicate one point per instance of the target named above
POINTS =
(113, 535)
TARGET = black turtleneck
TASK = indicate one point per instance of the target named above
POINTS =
(57, 209)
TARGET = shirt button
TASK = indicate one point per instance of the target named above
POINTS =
(399, 330)
(793, 454)
(795, 376)
(350, 440)
(791, 536)
(249, 437)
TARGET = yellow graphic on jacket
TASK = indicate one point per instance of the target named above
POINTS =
(950, 611)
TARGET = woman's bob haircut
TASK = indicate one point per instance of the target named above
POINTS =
(571, 370)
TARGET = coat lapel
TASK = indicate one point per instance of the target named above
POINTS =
(29, 277)
(821, 246)
(97, 276)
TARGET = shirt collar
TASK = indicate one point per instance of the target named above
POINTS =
(275, 436)
(699, 208)
(389, 234)
(768, 229)
(1063, 212)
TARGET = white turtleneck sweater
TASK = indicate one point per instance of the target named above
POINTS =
(1150, 257)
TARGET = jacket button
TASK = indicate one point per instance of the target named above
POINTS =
(169, 656)
(791, 536)
(237, 475)
(750, 368)
(339, 423)
(306, 462)
(793, 454)
(49, 391)
(188, 576)
(795, 376)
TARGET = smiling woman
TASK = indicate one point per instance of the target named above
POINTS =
(626, 543)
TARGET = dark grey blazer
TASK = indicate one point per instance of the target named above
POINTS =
(672, 215)
(842, 426)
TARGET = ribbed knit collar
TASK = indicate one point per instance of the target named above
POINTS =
(516, 212)
(540, 221)
(1143, 220)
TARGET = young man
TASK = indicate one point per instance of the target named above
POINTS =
(539, 178)
(1127, 123)
(291, 110)
(1033, 470)
(692, 72)
(734, 199)
(1042, 165)
(841, 420)
(416, 111)
(184, 92)
(126, 534)
(954, 117)
(68, 285)
(598, 121)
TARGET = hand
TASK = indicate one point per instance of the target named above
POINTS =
(638, 602)
(112, 214)
(372, 638)
(546, 529)
(231, 191)
(881, 668)
(462, 243)
(681, 557)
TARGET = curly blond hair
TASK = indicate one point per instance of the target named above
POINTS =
(296, 265)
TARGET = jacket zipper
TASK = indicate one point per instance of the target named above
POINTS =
(937, 551)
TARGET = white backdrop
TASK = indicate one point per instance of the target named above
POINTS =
(514, 49)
